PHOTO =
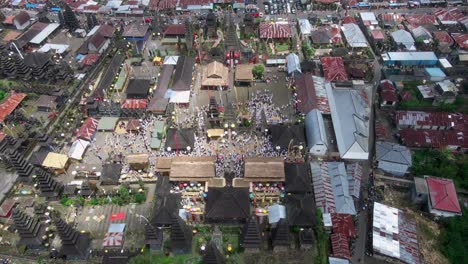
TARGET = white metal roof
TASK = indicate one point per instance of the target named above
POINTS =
(369, 16)
(354, 36)
(93, 31)
(171, 60)
(44, 33)
(58, 48)
(385, 225)
(180, 97)
(114, 228)
(445, 63)
(305, 26)
(77, 149)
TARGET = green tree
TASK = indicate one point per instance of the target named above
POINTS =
(258, 71)
(139, 197)
(307, 50)
(452, 238)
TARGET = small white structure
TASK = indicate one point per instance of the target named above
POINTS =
(316, 134)
(77, 149)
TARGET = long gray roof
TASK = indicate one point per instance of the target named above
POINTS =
(315, 128)
(294, 65)
(343, 201)
(350, 115)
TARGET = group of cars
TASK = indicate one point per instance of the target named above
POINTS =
(276, 7)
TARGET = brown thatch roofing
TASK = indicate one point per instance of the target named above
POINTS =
(192, 169)
(244, 73)
(215, 74)
(264, 169)
(137, 159)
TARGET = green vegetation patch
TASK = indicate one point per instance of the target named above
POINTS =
(441, 163)
(453, 237)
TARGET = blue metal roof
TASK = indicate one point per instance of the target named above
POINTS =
(435, 72)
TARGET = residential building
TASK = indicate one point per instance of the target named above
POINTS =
(393, 158)
(443, 199)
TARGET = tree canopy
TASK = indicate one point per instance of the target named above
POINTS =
(441, 163)
(452, 239)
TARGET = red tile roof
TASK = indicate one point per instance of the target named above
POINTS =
(343, 224)
(88, 129)
(5, 208)
(406, 95)
(89, 59)
(388, 91)
(443, 37)
(461, 39)
(175, 30)
(135, 103)
(443, 195)
(9, 104)
(377, 34)
(340, 246)
(348, 20)
(8, 20)
(275, 30)
(421, 19)
(333, 69)
(2, 136)
(162, 4)
(426, 138)
(453, 14)
(420, 118)
(392, 17)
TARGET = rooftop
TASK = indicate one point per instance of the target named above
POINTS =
(443, 195)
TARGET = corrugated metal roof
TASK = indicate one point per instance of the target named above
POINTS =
(354, 36)
(293, 63)
(350, 115)
(343, 201)
(323, 190)
(315, 129)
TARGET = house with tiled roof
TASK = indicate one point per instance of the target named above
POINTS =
(393, 158)
(22, 20)
(443, 199)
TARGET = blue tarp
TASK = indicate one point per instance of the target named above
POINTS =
(55, 9)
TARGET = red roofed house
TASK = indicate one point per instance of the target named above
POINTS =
(449, 16)
(333, 69)
(9, 104)
(421, 19)
(453, 140)
(134, 107)
(88, 129)
(461, 39)
(343, 224)
(348, 20)
(377, 35)
(6, 207)
(276, 31)
(443, 200)
(340, 246)
(175, 31)
(22, 20)
(444, 40)
(388, 96)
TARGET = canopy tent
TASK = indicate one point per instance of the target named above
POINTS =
(180, 97)
(78, 149)
(55, 161)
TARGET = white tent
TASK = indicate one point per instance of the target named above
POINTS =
(180, 97)
(78, 148)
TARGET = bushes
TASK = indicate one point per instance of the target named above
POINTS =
(258, 70)
(452, 239)
(441, 164)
